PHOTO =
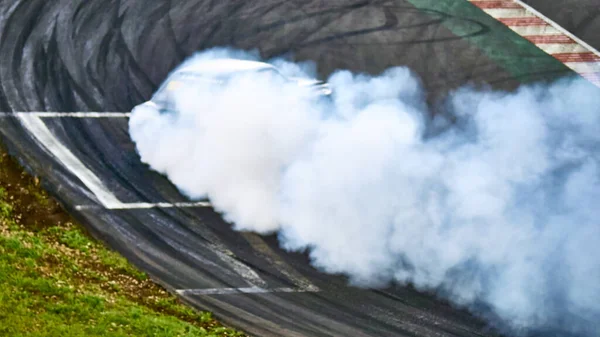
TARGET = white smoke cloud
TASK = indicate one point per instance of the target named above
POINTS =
(498, 210)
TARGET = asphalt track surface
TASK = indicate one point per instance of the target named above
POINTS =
(71, 55)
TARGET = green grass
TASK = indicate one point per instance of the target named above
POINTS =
(56, 281)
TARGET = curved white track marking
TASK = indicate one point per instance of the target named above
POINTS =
(32, 121)
(43, 114)
(36, 127)
(34, 124)
(233, 291)
(145, 205)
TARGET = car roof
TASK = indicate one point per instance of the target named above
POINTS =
(223, 66)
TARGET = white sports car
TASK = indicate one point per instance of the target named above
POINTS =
(217, 72)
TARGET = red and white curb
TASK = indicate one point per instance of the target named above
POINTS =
(546, 35)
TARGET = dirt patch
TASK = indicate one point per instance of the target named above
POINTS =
(74, 255)
(32, 206)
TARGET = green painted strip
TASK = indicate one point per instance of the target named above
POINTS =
(519, 57)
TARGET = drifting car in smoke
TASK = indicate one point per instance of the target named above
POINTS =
(218, 72)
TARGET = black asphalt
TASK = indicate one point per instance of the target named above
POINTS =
(84, 55)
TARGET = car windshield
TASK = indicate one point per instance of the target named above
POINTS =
(164, 95)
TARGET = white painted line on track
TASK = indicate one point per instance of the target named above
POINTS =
(145, 205)
(233, 291)
(47, 140)
(45, 114)
(37, 128)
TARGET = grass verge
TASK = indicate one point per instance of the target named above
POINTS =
(56, 281)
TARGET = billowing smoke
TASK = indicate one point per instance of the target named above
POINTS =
(496, 209)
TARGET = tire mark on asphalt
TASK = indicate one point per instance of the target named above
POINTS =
(272, 258)
(19, 39)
